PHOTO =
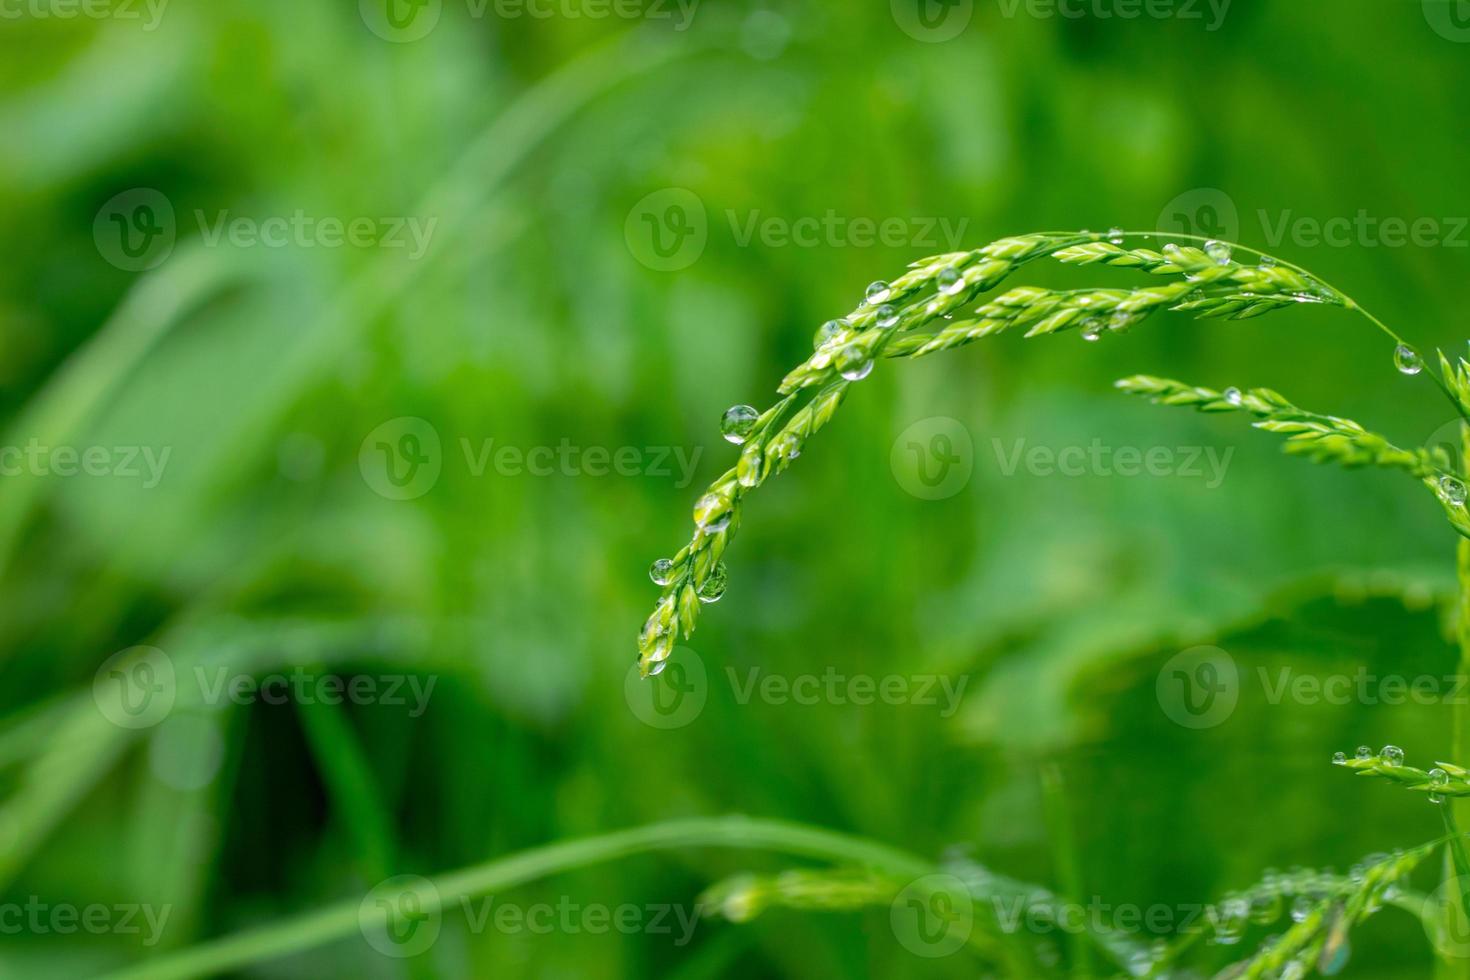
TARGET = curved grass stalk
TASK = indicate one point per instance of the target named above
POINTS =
(347, 918)
(915, 315)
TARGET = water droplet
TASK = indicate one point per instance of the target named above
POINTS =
(1091, 328)
(660, 647)
(661, 571)
(1438, 779)
(1301, 907)
(738, 422)
(853, 362)
(657, 667)
(1267, 262)
(1172, 252)
(950, 282)
(1234, 397)
(887, 316)
(1407, 359)
(1120, 321)
(1228, 919)
(1265, 906)
(1363, 754)
(828, 332)
(1115, 235)
(1219, 251)
(877, 292)
(1392, 755)
(785, 446)
(1452, 490)
(714, 586)
(1339, 758)
(748, 469)
(712, 513)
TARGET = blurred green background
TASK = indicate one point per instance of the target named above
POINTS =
(272, 362)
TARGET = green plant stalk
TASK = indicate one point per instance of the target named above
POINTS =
(347, 918)
(1457, 810)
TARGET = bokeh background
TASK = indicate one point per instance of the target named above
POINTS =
(150, 305)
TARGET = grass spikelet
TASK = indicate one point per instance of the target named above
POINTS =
(1325, 911)
(1320, 438)
(913, 316)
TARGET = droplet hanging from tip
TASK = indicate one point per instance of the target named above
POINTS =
(1407, 360)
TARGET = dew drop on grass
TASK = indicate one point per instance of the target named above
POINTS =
(828, 332)
(887, 316)
(1115, 235)
(1339, 758)
(1234, 397)
(1301, 907)
(714, 586)
(1091, 329)
(1363, 753)
(661, 571)
(950, 282)
(738, 422)
(657, 667)
(1267, 262)
(853, 362)
(1407, 359)
(1392, 755)
(1228, 919)
(1265, 906)
(661, 648)
(1452, 490)
(712, 513)
(1219, 251)
(1438, 779)
(877, 292)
